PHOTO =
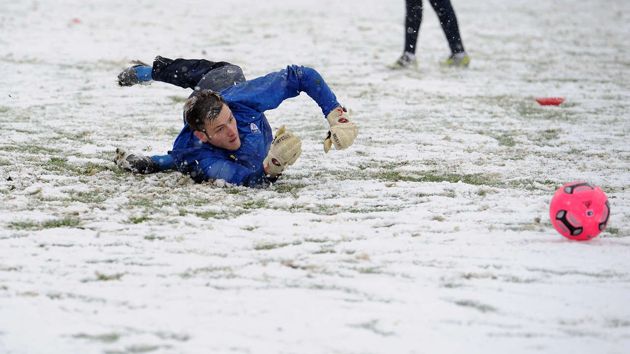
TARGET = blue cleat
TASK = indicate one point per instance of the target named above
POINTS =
(139, 72)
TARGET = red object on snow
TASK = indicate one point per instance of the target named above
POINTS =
(579, 211)
(76, 21)
(550, 101)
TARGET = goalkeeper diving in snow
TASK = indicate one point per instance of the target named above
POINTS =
(226, 135)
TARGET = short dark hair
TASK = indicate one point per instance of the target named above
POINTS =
(202, 106)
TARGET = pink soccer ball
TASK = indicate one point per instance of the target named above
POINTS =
(579, 211)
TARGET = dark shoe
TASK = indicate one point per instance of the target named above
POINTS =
(135, 163)
(129, 76)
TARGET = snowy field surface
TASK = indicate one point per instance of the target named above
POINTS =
(429, 235)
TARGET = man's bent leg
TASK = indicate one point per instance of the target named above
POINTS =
(195, 73)
(220, 78)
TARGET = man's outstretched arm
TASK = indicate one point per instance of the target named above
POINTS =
(267, 92)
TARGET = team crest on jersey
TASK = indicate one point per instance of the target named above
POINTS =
(254, 128)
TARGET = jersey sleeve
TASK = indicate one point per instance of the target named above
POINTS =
(269, 91)
(214, 168)
(202, 164)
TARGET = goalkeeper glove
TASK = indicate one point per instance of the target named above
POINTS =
(342, 131)
(135, 163)
(285, 150)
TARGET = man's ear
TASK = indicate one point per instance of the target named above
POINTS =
(201, 136)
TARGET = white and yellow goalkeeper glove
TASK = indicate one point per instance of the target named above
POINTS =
(285, 150)
(342, 131)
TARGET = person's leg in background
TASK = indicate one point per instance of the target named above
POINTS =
(448, 21)
(413, 20)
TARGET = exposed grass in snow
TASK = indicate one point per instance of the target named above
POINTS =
(49, 224)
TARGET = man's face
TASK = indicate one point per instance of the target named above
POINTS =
(221, 131)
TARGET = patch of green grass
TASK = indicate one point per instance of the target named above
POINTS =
(369, 270)
(436, 176)
(531, 226)
(505, 140)
(315, 240)
(222, 272)
(78, 136)
(31, 149)
(476, 305)
(139, 219)
(474, 179)
(549, 134)
(61, 165)
(142, 202)
(531, 185)
(450, 193)
(153, 237)
(108, 277)
(325, 250)
(384, 165)
(210, 214)
(546, 135)
(193, 201)
(322, 209)
(88, 197)
(613, 231)
(265, 246)
(24, 225)
(525, 107)
(177, 99)
(171, 131)
(369, 209)
(395, 176)
(57, 164)
(140, 348)
(234, 190)
(65, 222)
(325, 209)
(372, 326)
(91, 169)
(49, 224)
(105, 338)
(292, 188)
(255, 204)
(529, 109)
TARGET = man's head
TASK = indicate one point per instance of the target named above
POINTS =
(211, 120)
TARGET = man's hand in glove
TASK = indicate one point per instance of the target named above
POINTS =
(342, 131)
(285, 150)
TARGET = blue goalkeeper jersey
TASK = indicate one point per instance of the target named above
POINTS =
(248, 101)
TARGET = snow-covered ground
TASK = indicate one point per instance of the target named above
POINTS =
(429, 235)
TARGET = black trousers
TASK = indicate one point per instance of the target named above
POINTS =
(197, 74)
(448, 20)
